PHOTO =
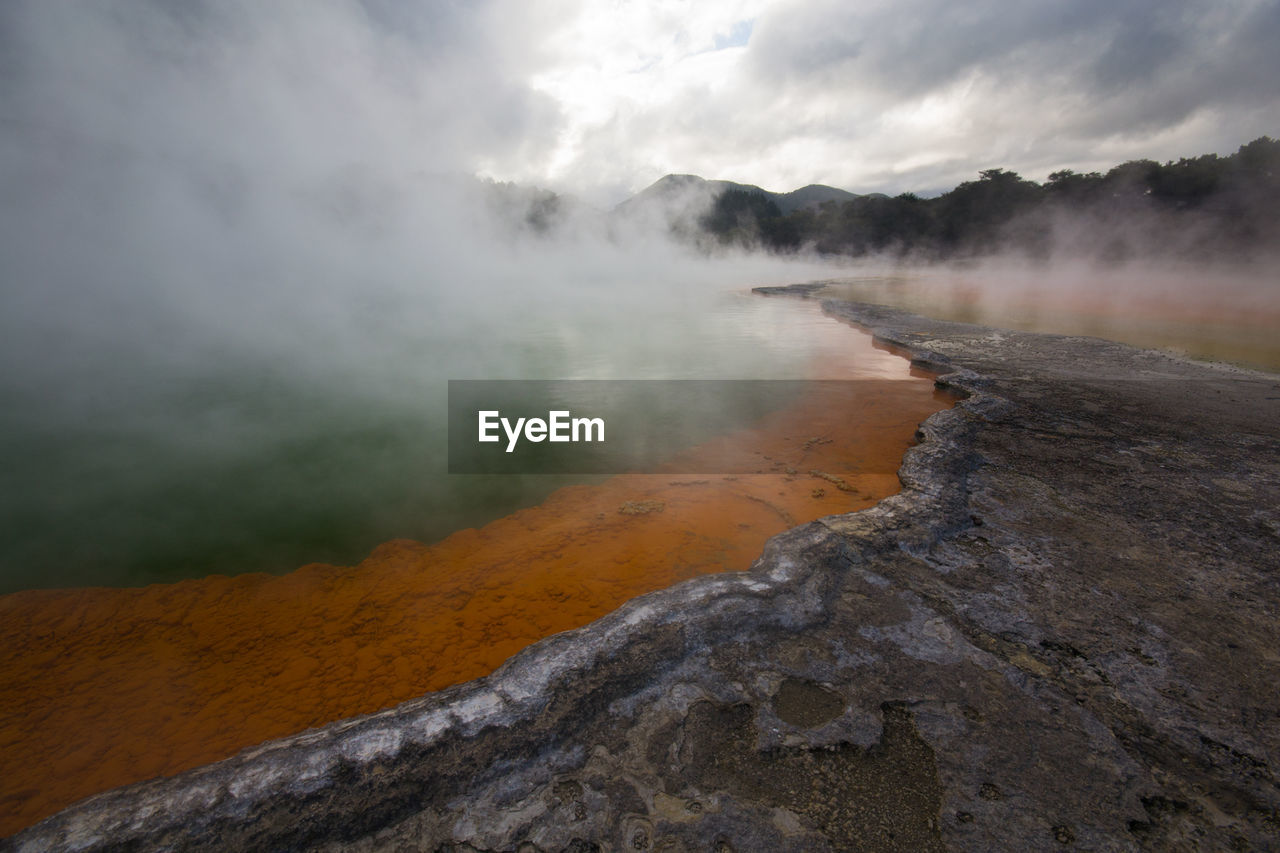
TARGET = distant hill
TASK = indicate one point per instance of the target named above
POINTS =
(673, 188)
(810, 196)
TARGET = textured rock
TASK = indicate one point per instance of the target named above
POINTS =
(1059, 635)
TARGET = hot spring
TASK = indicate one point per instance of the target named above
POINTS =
(212, 472)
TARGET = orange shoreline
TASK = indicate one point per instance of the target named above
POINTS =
(104, 687)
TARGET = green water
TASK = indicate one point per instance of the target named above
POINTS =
(152, 463)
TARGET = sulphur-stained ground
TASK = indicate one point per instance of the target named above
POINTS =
(1060, 635)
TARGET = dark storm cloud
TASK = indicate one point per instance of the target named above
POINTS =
(900, 50)
(1098, 51)
(1139, 49)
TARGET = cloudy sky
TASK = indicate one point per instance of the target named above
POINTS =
(602, 98)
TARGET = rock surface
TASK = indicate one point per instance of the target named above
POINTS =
(1059, 635)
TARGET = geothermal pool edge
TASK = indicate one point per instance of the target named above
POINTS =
(1058, 633)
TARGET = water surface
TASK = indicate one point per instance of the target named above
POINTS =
(147, 463)
(1216, 315)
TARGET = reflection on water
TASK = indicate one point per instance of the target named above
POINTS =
(1214, 315)
(102, 687)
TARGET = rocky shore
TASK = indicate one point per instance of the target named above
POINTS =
(1059, 635)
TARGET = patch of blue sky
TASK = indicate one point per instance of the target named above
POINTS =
(739, 34)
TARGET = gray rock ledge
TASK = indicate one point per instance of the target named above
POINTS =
(1060, 635)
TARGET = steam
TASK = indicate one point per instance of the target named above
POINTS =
(242, 253)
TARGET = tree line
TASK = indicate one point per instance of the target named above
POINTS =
(1202, 206)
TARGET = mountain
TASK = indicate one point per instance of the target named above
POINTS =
(810, 196)
(678, 189)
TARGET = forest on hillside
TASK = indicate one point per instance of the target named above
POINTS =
(1198, 207)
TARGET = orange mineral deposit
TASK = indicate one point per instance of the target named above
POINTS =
(104, 687)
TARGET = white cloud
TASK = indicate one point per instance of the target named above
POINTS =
(625, 63)
(603, 98)
(918, 94)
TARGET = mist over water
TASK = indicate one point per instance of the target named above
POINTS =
(202, 396)
(208, 378)
(241, 259)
